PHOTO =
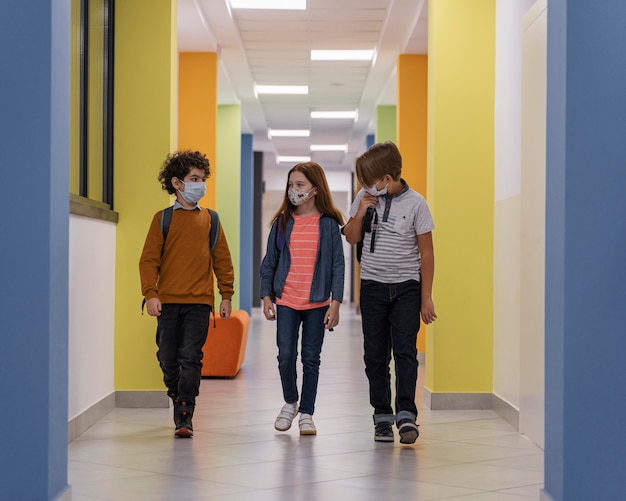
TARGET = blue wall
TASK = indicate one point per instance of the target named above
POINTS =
(34, 159)
(586, 251)
(246, 232)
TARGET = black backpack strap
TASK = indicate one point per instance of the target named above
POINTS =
(214, 231)
(166, 219)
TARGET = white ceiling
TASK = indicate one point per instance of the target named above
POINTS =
(273, 47)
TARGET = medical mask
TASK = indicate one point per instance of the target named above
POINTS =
(298, 197)
(376, 193)
(193, 192)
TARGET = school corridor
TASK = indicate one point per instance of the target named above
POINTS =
(236, 454)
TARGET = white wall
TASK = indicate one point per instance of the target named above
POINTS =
(91, 312)
(533, 217)
(507, 199)
(519, 218)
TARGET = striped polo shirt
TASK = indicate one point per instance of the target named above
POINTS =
(395, 257)
(303, 247)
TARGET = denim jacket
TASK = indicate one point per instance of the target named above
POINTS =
(328, 275)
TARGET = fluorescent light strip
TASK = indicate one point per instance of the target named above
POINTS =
(295, 160)
(334, 114)
(329, 147)
(342, 55)
(288, 133)
(281, 89)
(268, 4)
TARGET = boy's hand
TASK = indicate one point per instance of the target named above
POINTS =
(153, 307)
(268, 308)
(367, 201)
(428, 311)
(225, 309)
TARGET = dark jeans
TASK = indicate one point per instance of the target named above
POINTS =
(288, 324)
(181, 334)
(390, 315)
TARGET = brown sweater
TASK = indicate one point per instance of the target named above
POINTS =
(184, 273)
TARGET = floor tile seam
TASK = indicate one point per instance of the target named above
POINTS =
(529, 452)
(481, 463)
(351, 475)
(509, 467)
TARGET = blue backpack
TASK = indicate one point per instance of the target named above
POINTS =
(280, 243)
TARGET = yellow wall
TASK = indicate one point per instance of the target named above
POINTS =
(461, 75)
(197, 111)
(228, 183)
(412, 120)
(145, 124)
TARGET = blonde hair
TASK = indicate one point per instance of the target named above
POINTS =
(323, 199)
(379, 160)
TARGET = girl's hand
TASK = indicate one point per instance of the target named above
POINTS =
(268, 308)
(331, 319)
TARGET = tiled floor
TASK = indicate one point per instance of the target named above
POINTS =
(236, 454)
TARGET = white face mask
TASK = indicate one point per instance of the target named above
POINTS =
(298, 197)
(375, 192)
(193, 191)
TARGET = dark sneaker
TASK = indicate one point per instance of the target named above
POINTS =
(383, 432)
(408, 431)
(182, 418)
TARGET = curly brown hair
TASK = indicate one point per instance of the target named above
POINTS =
(178, 165)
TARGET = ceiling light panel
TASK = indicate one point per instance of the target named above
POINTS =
(292, 159)
(342, 55)
(288, 133)
(268, 4)
(329, 147)
(281, 89)
(335, 114)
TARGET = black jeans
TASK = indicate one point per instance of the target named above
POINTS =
(391, 319)
(181, 333)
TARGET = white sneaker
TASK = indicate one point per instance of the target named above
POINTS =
(307, 426)
(285, 416)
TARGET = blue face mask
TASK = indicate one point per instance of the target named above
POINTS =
(193, 192)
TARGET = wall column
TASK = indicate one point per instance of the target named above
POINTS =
(461, 74)
(585, 252)
(145, 133)
(247, 266)
(197, 111)
(228, 185)
(412, 121)
(35, 131)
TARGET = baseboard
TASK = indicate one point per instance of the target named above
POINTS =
(66, 495)
(472, 401)
(506, 411)
(142, 399)
(457, 401)
(92, 415)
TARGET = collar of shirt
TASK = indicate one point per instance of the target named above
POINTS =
(177, 206)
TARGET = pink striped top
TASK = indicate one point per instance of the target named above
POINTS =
(303, 245)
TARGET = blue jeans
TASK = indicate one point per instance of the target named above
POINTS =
(390, 315)
(288, 324)
(181, 333)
